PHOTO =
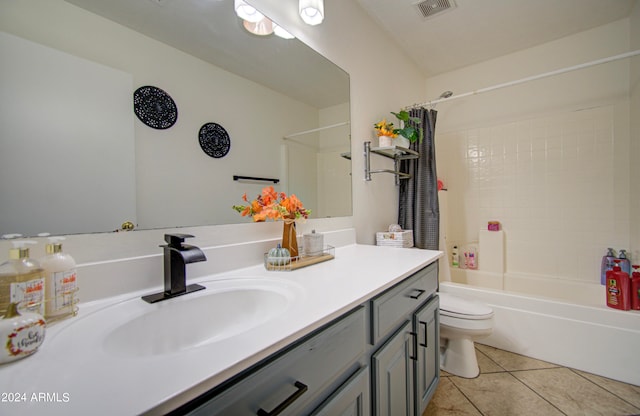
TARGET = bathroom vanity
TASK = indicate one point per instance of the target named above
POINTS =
(355, 335)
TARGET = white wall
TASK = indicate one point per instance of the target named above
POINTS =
(635, 134)
(550, 159)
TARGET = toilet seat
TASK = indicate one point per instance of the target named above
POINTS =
(456, 307)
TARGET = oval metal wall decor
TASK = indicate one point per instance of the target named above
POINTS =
(214, 140)
(154, 107)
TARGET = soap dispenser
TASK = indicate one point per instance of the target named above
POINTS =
(21, 280)
(60, 281)
(606, 265)
(625, 263)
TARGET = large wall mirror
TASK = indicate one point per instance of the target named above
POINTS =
(75, 158)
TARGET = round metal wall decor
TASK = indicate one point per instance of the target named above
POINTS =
(214, 140)
(154, 107)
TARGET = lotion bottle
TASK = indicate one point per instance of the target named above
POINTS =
(60, 281)
(607, 264)
(21, 280)
(618, 289)
(625, 263)
(635, 288)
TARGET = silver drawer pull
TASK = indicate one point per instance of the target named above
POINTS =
(302, 388)
(420, 293)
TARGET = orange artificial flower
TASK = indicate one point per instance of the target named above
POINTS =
(272, 205)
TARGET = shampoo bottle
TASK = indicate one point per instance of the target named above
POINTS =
(455, 257)
(606, 265)
(21, 281)
(60, 281)
(635, 288)
(625, 263)
(618, 288)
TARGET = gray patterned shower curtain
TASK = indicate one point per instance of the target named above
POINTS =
(418, 202)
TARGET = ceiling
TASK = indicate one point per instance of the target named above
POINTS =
(478, 30)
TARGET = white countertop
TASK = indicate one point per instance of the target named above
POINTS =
(73, 374)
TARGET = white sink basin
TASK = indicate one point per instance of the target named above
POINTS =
(226, 308)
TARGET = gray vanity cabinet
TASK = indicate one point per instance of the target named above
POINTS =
(380, 358)
(405, 333)
(299, 378)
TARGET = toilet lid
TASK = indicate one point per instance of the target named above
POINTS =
(457, 307)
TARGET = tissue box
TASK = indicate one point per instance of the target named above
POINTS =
(395, 239)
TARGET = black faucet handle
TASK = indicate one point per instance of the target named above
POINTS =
(176, 240)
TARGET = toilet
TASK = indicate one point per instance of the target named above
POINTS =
(462, 321)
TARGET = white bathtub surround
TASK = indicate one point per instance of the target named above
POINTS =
(558, 183)
(595, 339)
(103, 378)
(491, 251)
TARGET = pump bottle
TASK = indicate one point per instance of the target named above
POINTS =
(21, 280)
(60, 281)
(618, 288)
(635, 287)
(607, 264)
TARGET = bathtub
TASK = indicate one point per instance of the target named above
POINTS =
(565, 323)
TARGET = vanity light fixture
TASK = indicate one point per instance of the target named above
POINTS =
(279, 31)
(247, 12)
(262, 27)
(311, 11)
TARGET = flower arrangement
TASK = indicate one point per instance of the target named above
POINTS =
(273, 205)
(384, 128)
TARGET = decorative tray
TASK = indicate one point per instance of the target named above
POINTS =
(293, 263)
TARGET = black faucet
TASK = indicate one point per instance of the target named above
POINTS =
(176, 257)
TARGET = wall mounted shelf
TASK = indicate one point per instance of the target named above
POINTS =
(397, 153)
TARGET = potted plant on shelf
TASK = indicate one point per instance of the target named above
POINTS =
(387, 132)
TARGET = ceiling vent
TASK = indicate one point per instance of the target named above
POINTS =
(431, 8)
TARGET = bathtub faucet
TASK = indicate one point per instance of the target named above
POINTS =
(176, 257)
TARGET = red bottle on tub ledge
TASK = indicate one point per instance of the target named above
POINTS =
(618, 288)
(635, 288)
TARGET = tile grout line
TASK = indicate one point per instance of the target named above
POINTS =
(604, 388)
(465, 396)
(535, 392)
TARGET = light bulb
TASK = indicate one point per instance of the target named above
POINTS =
(312, 11)
(247, 12)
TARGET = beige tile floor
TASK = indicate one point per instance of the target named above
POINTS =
(512, 384)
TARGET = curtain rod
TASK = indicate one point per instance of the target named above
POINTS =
(527, 79)
(344, 123)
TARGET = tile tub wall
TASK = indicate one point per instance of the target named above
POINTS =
(559, 184)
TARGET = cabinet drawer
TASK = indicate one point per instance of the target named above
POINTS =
(392, 307)
(299, 379)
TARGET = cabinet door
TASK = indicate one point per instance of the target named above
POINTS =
(351, 399)
(427, 327)
(393, 370)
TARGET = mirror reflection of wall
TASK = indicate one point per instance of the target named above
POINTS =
(175, 182)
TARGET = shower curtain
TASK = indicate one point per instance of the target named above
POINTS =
(418, 202)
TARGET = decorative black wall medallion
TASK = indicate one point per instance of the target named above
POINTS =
(214, 140)
(154, 107)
